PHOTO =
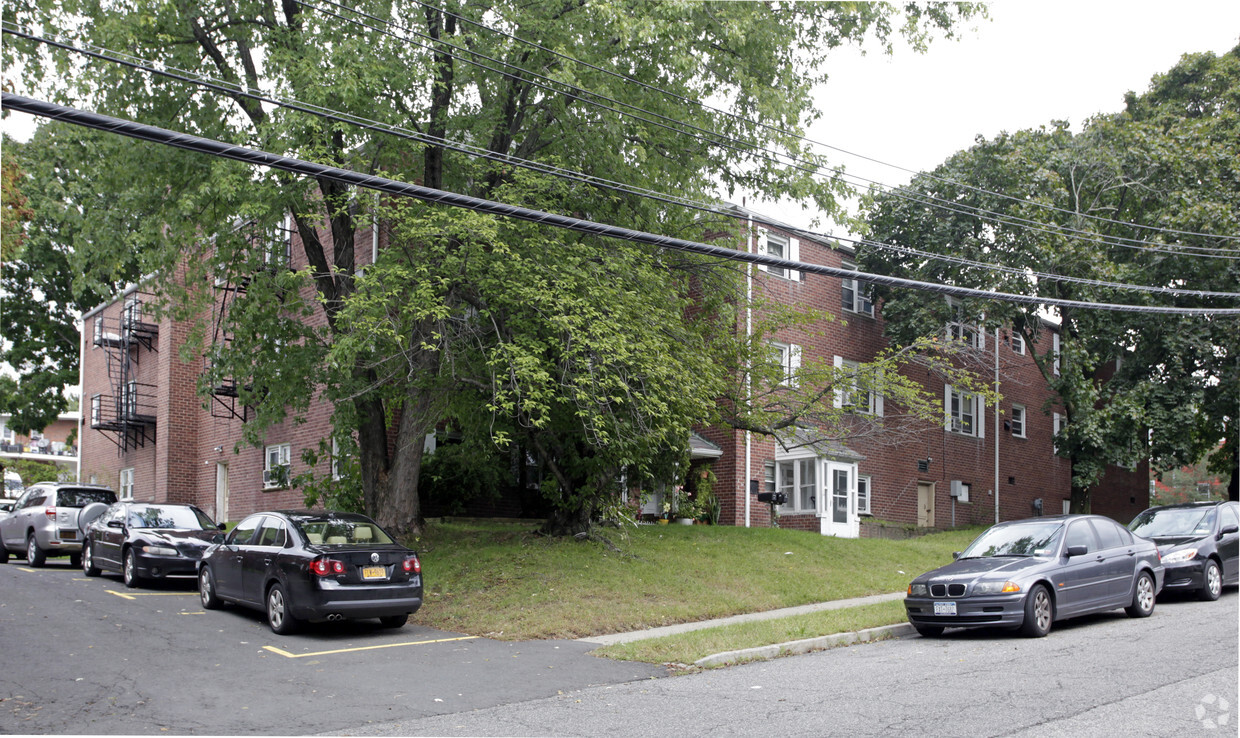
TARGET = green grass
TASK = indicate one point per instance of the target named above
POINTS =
(687, 648)
(499, 580)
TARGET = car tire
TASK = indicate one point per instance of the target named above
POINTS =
(1039, 613)
(1212, 582)
(88, 561)
(1142, 597)
(129, 572)
(4, 554)
(35, 556)
(394, 621)
(206, 590)
(929, 631)
(75, 559)
(279, 615)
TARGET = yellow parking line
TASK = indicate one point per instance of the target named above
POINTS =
(286, 654)
(136, 595)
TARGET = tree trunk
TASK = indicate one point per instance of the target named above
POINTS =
(1080, 501)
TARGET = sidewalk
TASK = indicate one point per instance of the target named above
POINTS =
(639, 635)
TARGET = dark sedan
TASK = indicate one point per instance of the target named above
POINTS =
(1199, 543)
(1027, 574)
(312, 566)
(144, 540)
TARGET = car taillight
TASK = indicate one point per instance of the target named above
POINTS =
(50, 512)
(411, 564)
(326, 567)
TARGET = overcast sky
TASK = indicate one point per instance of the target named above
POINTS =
(1029, 64)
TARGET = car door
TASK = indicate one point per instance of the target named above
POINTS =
(1118, 556)
(11, 528)
(23, 517)
(261, 556)
(1081, 581)
(226, 562)
(1229, 543)
(109, 536)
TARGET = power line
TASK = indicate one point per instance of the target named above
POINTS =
(337, 116)
(733, 116)
(255, 157)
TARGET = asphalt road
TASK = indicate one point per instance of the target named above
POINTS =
(88, 656)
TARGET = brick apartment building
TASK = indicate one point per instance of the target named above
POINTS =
(146, 433)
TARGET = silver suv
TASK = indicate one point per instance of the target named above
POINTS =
(44, 521)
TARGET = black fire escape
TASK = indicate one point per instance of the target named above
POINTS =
(127, 413)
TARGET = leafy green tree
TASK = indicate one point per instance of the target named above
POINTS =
(572, 347)
(1133, 198)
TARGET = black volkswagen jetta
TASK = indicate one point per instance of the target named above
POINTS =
(1199, 543)
(312, 566)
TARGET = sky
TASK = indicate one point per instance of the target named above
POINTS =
(1029, 64)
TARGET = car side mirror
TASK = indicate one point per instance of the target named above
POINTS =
(955, 555)
(222, 526)
(115, 524)
(1228, 529)
(1077, 550)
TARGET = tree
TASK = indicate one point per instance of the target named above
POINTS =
(1133, 198)
(443, 74)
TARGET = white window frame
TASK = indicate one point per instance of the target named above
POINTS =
(126, 484)
(954, 406)
(856, 296)
(1020, 419)
(335, 461)
(96, 408)
(958, 330)
(1018, 343)
(848, 398)
(276, 456)
(97, 332)
(1057, 423)
(790, 478)
(278, 245)
(1055, 353)
(864, 500)
(780, 247)
(790, 361)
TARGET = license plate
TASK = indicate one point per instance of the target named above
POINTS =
(374, 572)
(68, 535)
(945, 608)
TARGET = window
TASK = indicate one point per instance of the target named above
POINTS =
(965, 412)
(1081, 534)
(1018, 421)
(244, 532)
(788, 355)
(96, 406)
(1055, 353)
(857, 296)
(273, 533)
(863, 495)
(798, 480)
(126, 484)
(768, 483)
(276, 468)
(1018, 343)
(336, 460)
(277, 244)
(97, 335)
(849, 396)
(780, 247)
(1058, 423)
(959, 330)
(129, 399)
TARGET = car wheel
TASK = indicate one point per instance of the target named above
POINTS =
(279, 617)
(4, 554)
(88, 561)
(1212, 586)
(206, 590)
(1039, 613)
(35, 556)
(1142, 597)
(75, 559)
(130, 572)
(929, 631)
(394, 621)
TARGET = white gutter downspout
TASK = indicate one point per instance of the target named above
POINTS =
(997, 426)
(83, 407)
(748, 365)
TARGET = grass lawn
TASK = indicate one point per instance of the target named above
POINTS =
(499, 580)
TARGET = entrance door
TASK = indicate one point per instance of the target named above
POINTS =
(221, 492)
(925, 504)
(840, 518)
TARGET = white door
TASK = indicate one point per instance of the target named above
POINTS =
(840, 517)
(221, 492)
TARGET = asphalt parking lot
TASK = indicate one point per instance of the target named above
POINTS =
(87, 655)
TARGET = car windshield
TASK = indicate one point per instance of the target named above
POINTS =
(342, 531)
(169, 516)
(1026, 539)
(80, 497)
(1173, 522)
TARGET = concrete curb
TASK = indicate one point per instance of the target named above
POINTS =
(758, 653)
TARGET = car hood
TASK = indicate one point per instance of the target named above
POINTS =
(1167, 544)
(179, 538)
(965, 570)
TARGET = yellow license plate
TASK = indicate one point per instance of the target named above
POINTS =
(374, 572)
(68, 535)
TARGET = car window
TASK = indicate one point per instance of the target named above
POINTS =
(342, 532)
(1108, 534)
(1081, 534)
(168, 516)
(1230, 516)
(1170, 522)
(273, 533)
(34, 500)
(81, 497)
(244, 531)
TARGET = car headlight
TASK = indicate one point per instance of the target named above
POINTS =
(990, 588)
(160, 551)
(918, 590)
(1179, 557)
